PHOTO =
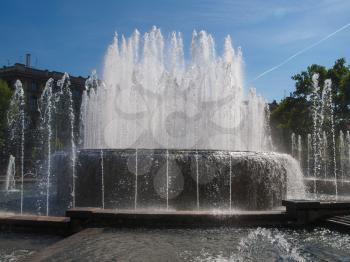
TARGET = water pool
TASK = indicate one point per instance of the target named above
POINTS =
(223, 244)
(17, 246)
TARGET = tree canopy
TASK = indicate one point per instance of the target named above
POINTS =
(5, 96)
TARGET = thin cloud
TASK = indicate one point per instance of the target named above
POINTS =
(301, 52)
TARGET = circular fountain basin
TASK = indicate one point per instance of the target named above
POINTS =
(183, 179)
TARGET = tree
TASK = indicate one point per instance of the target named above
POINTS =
(293, 113)
(5, 97)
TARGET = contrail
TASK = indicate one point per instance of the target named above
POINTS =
(301, 52)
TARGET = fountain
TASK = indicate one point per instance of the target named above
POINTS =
(294, 146)
(317, 117)
(158, 132)
(325, 158)
(47, 112)
(347, 153)
(67, 101)
(179, 135)
(16, 124)
(168, 143)
(300, 149)
(10, 183)
(57, 131)
(297, 148)
(342, 155)
(328, 111)
(327, 163)
(323, 137)
(152, 100)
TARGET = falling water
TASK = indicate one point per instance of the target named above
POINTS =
(197, 180)
(22, 145)
(167, 179)
(16, 123)
(348, 152)
(230, 174)
(323, 137)
(67, 100)
(342, 154)
(300, 149)
(90, 100)
(73, 155)
(328, 111)
(294, 146)
(324, 148)
(268, 146)
(297, 147)
(10, 183)
(102, 180)
(136, 174)
(317, 127)
(47, 104)
(309, 148)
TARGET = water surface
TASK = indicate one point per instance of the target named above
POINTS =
(245, 244)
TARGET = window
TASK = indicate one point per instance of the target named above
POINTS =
(33, 103)
(76, 93)
(34, 86)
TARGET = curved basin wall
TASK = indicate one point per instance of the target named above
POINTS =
(184, 180)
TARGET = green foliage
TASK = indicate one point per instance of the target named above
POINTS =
(5, 97)
(303, 81)
(293, 113)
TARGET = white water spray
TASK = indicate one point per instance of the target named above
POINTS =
(66, 99)
(10, 183)
(16, 123)
(152, 99)
(47, 109)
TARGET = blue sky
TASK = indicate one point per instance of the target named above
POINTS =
(73, 35)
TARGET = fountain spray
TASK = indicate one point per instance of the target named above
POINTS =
(16, 124)
(47, 109)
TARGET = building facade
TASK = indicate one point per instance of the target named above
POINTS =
(34, 80)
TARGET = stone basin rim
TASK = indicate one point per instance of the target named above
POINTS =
(180, 150)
